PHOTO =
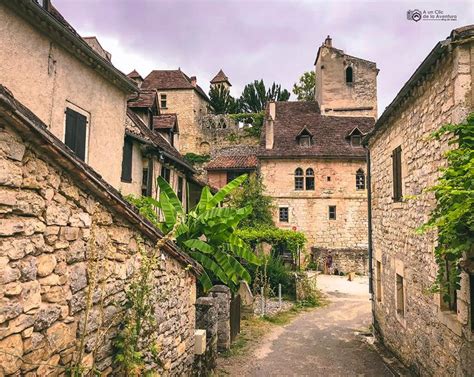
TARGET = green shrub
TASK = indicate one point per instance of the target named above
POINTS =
(271, 273)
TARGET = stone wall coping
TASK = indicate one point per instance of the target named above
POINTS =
(205, 301)
(35, 131)
(220, 289)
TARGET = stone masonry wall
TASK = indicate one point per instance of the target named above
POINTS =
(50, 232)
(431, 340)
(308, 210)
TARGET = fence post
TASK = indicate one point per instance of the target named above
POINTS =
(279, 295)
(223, 298)
(262, 298)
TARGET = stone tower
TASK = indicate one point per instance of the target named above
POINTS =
(345, 85)
(221, 79)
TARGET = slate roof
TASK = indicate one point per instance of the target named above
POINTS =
(220, 78)
(171, 79)
(31, 128)
(138, 129)
(164, 121)
(330, 133)
(145, 98)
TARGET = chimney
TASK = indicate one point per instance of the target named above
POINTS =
(193, 81)
(269, 135)
(328, 41)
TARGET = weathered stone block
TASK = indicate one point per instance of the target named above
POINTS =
(46, 264)
(57, 214)
(10, 361)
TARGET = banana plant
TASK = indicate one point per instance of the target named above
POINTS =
(207, 232)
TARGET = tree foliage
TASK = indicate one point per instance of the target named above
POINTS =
(255, 96)
(305, 87)
(221, 102)
(453, 217)
(251, 194)
(206, 233)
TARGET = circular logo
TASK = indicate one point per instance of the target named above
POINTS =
(416, 15)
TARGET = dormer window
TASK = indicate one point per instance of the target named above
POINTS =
(349, 75)
(355, 140)
(305, 138)
(355, 137)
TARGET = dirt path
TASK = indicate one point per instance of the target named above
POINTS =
(323, 342)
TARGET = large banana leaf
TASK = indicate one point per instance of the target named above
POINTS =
(210, 265)
(195, 244)
(172, 197)
(226, 190)
(168, 210)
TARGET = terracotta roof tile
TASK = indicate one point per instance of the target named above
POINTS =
(146, 98)
(134, 75)
(220, 78)
(329, 138)
(232, 162)
(171, 79)
(164, 121)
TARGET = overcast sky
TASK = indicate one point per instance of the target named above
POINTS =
(273, 40)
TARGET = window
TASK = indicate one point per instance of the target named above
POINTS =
(332, 212)
(76, 133)
(360, 180)
(378, 282)
(349, 75)
(305, 140)
(127, 161)
(397, 174)
(231, 175)
(400, 296)
(180, 188)
(328, 178)
(449, 301)
(299, 179)
(283, 214)
(309, 179)
(355, 140)
(163, 101)
(165, 173)
(146, 180)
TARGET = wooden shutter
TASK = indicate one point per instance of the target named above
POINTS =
(76, 131)
(127, 160)
(397, 174)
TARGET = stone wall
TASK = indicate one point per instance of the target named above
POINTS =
(53, 235)
(343, 260)
(429, 339)
(308, 209)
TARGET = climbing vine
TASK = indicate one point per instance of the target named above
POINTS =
(194, 158)
(453, 216)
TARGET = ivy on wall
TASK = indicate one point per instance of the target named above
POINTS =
(453, 216)
(194, 158)
(255, 119)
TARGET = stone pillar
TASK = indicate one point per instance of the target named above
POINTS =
(247, 300)
(223, 296)
(206, 319)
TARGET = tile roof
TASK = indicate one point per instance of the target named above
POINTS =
(136, 127)
(232, 162)
(146, 98)
(330, 133)
(220, 78)
(171, 79)
(164, 121)
(134, 75)
(44, 143)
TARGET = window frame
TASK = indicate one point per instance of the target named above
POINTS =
(163, 99)
(400, 303)
(180, 188)
(378, 281)
(76, 109)
(283, 220)
(360, 175)
(165, 173)
(332, 212)
(349, 73)
(299, 179)
(309, 179)
(397, 174)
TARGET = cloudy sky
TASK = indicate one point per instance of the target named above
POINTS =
(273, 40)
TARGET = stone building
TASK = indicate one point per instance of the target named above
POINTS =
(345, 85)
(221, 79)
(313, 166)
(181, 95)
(71, 86)
(69, 247)
(433, 337)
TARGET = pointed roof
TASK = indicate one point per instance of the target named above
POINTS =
(220, 78)
(134, 75)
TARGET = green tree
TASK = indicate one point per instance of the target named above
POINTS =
(255, 96)
(206, 233)
(304, 88)
(221, 102)
(251, 194)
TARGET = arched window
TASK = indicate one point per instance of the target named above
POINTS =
(360, 180)
(309, 179)
(299, 179)
(349, 75)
